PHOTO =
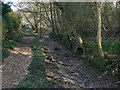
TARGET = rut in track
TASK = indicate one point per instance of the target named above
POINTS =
(14, 67)
(62, 65)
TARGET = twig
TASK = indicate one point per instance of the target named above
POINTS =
(103, 74)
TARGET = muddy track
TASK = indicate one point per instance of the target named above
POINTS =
(61, 64)
(14, 67)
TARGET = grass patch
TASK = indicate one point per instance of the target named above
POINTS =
(10, 43)
(36, 77)
(111, 47)
(107, 64)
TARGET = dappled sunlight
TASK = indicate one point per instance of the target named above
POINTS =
(14, 52)
(15, 67)
(41, 40)
(49, 79)
(18, 51)
(61, 45)
(60, 62)
(59, 74)
(25, 53)
(68, 80)
(55, 67)
(49, 73)
(48, 61)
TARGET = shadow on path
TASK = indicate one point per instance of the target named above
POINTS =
(69, 71)
(16, 64)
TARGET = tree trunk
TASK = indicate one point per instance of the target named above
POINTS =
(40, 23)
(36, 29)
(52, 18)
(39, 19)
(99, 38)
(56, 27)
(29, 21)
(60, 26)
(70, 17)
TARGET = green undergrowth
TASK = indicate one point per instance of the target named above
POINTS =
(111, 46)
(92, 58)
(109, 64)
(62, 39)
(36, 77)
(10, 43)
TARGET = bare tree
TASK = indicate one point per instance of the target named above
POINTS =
(99, 38)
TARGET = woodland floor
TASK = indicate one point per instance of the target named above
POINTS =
(72, 69)
(61, 65)
(14, 67)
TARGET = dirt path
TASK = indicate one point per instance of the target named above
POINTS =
(63, 67)
(15, 66)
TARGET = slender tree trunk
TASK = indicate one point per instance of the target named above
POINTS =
(47, 14)
(56, 27)
(46, 22)
(59, 19)
(39, 19)
(36, 29)
(52, 17)
(99, 38)
(40, 23)
(29, 21)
